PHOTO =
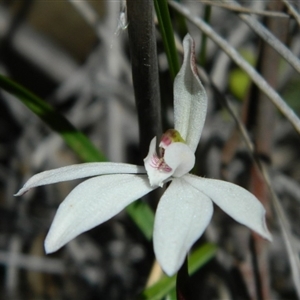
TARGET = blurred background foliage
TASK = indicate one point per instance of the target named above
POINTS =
(75, 56)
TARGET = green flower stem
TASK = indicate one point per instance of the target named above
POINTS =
(163, 287)
(143, 216)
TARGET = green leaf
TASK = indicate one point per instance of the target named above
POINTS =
(202, 55)
(197, 259)
(143, 216)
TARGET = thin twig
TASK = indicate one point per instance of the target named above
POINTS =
(283, 222)
(32, 263)
(291, 248)
(242, 63)
(246, 10)
(261, 118)
(287, 185)
(292, 11)
(269, 38)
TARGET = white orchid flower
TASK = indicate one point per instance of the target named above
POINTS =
(186, 207)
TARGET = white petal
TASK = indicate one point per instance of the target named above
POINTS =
(181, 217)
(157, 176)
(78, 171)
(190, 99)
(237, 202)
(180, 158)
(92, 203)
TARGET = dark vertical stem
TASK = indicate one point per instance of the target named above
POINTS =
(182, 282)
(142, 45)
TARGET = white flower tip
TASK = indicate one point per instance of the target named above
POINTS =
(260, 225)
(51, 246)
(169, 263)
(171, 270)
(170, 260)
(21, 192)
(57, 237)
(265, 233)
(48, 250)
(269, 237)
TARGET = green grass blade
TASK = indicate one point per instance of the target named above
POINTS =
(143, 216)
(166, 29)
(75, 139)
(196, 260)
(202, 55)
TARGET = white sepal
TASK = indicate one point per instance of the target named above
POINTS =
(182, 215)
(190, 99)
(93, 202)
(78, 171)
(237, 202)
(180, 158)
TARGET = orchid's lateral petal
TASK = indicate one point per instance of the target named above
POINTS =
(237, 202)
(181, 217)
(180, 158)
(190, 99)
(157, 171)
(93, 202)
(78, 171)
